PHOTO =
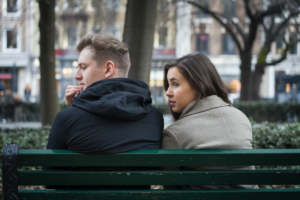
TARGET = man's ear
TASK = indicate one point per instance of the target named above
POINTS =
(110, 69)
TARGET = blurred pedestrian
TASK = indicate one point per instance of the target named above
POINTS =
(2, 88)
(27, 93)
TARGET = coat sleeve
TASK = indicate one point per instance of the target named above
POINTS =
(170, 141)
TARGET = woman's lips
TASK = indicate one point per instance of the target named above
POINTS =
(172, 103)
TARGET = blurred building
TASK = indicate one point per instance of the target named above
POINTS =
(164, 47)
(180, 29)
(198, 32)
(74, 19)
(15, 70)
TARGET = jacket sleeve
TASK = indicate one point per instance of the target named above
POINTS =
(56, 140)
(170, 141)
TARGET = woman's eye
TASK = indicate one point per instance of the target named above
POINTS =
(175, 84)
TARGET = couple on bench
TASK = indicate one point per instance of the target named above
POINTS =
(113, 114)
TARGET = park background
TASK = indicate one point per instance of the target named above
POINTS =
(253, 44)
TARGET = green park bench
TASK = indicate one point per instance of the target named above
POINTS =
(13, 158)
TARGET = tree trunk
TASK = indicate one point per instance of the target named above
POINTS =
(259, 70)
(139, 36)
(49, 100)
(256, 80)
(246, 73)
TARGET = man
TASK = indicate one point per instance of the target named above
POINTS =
(112, 113)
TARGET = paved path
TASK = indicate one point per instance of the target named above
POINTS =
(14, 125)
(167, 120)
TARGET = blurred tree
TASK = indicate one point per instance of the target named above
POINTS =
(139, 36)
(49, 100)
(259, 13)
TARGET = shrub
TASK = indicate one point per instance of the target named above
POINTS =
(269, 111)
(276, 136)
(260, 110)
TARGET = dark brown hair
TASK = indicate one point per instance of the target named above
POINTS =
(107, 48)
(201, 74)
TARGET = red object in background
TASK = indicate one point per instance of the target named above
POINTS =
(63, 52)
(58, 52)
(203, 37)
(164, 52)
(5, 76)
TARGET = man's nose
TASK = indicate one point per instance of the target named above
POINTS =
(78, 75)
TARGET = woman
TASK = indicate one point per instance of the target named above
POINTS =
(204, 117)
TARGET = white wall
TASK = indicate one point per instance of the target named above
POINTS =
(183, 29)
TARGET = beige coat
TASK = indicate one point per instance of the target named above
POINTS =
(210, 123)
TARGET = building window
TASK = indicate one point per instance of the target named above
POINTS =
(229, 8)
(72, 36)
(10, 38)
(94, 3)
(199, 12)
(112, 5)
(71, 5)
(10, 8)
(293, 48)
(162, 33)
(228, 44)
(113, 30)
(202, 43)
(279, 45)
(56, 38)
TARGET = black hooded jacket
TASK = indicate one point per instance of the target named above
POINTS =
(109, 116)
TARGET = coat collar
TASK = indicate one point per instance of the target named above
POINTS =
(202, 105)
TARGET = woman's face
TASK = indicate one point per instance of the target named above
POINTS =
(180, 92)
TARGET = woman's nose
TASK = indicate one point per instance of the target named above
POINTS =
(169, 92)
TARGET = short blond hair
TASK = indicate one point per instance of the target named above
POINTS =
(107, 48)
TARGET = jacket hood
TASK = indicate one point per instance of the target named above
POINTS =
(116, 98)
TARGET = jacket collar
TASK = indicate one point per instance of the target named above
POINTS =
(202, 105)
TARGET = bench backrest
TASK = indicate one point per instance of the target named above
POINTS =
(13, 158)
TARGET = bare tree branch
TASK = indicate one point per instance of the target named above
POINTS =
(273, 10)
(248, 10)
(284, 23)
(284, 53)
(272, 23)
(226, 26)
(240, 31)
(267, 30)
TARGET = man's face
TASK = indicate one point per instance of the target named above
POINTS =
(88, 70)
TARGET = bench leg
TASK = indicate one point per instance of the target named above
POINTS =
(9, 172)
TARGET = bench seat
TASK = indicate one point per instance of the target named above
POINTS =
(13, 158)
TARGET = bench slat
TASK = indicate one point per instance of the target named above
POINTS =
(162, 158)
(159, 177)
(275, 194)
